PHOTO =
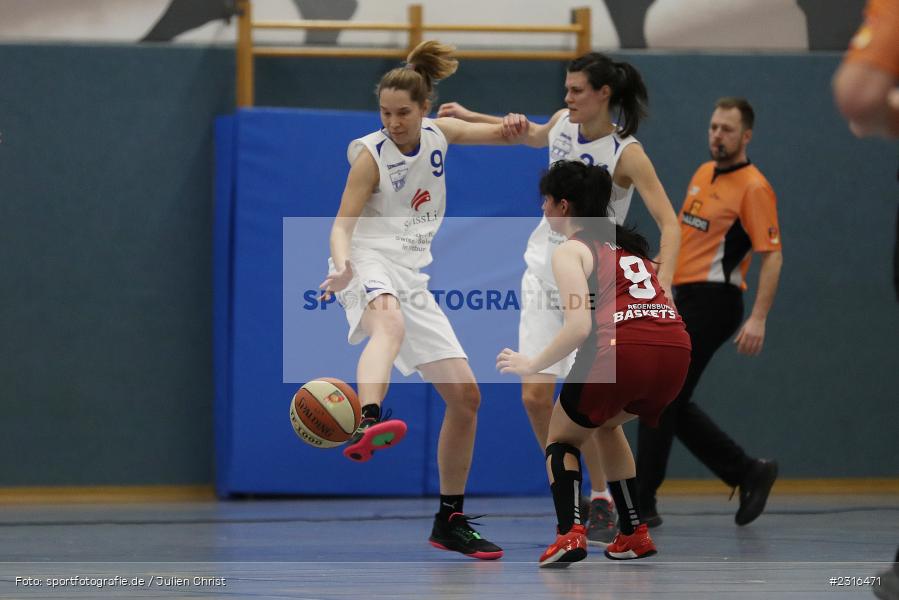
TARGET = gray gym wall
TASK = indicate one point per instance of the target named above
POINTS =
(105, 244)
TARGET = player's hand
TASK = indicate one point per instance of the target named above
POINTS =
(665, 282)
(669, 293)
(865, 95)
(751, 336)
(454, 109)
(509, 361)
(337, 281)
(515, 126)
(893, 99)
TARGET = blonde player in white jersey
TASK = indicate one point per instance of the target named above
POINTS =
(391, 208)
(587, 130)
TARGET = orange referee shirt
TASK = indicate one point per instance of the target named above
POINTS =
(727, 214)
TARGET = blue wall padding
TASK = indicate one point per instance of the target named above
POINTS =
(273, 164)
(221, 310)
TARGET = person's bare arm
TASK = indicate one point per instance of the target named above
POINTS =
(569, 271)
(464, 132)
(635, 167)
(456, 110)
(751, 336)
(868, 98)
(360, 184)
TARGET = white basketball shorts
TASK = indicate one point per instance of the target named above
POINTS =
(429, 336)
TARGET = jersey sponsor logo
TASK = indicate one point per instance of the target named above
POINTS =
(421, 196)
(696, 222)
(555, 239)
(773, 235)
(335, 398)
(692, 218)
(398, 177)
(561, 148)
(642, 311)
(373, 285)
(426, 217)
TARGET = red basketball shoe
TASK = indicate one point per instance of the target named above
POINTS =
(567, 549)
(374, 434)
(636, 545)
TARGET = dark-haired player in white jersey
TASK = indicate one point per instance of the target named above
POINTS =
(605, 102)
(391, 208)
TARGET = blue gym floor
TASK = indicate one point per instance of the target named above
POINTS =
(377, 548)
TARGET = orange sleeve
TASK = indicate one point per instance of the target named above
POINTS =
(877, 40)
(758, 214)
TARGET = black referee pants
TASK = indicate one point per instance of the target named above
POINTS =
(712, 313)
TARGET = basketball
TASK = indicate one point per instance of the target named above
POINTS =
(325, 412)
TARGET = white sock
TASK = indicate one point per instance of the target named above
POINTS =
(605, 495)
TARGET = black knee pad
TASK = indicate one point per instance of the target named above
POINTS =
(556, 452)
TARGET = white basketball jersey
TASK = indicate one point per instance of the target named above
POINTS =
(404, 213)
(566, 143)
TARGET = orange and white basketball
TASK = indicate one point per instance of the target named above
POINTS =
(325, 412)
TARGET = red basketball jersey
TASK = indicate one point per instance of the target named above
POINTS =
(630, 307)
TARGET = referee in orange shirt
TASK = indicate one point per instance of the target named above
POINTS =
(730, 212)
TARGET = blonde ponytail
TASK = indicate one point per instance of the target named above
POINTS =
(428, 63)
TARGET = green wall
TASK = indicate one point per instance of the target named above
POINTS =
(105, 245)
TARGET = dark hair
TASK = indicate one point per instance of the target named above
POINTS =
(747, 115)
(428, 63)
(628, 90)
(588, 189)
